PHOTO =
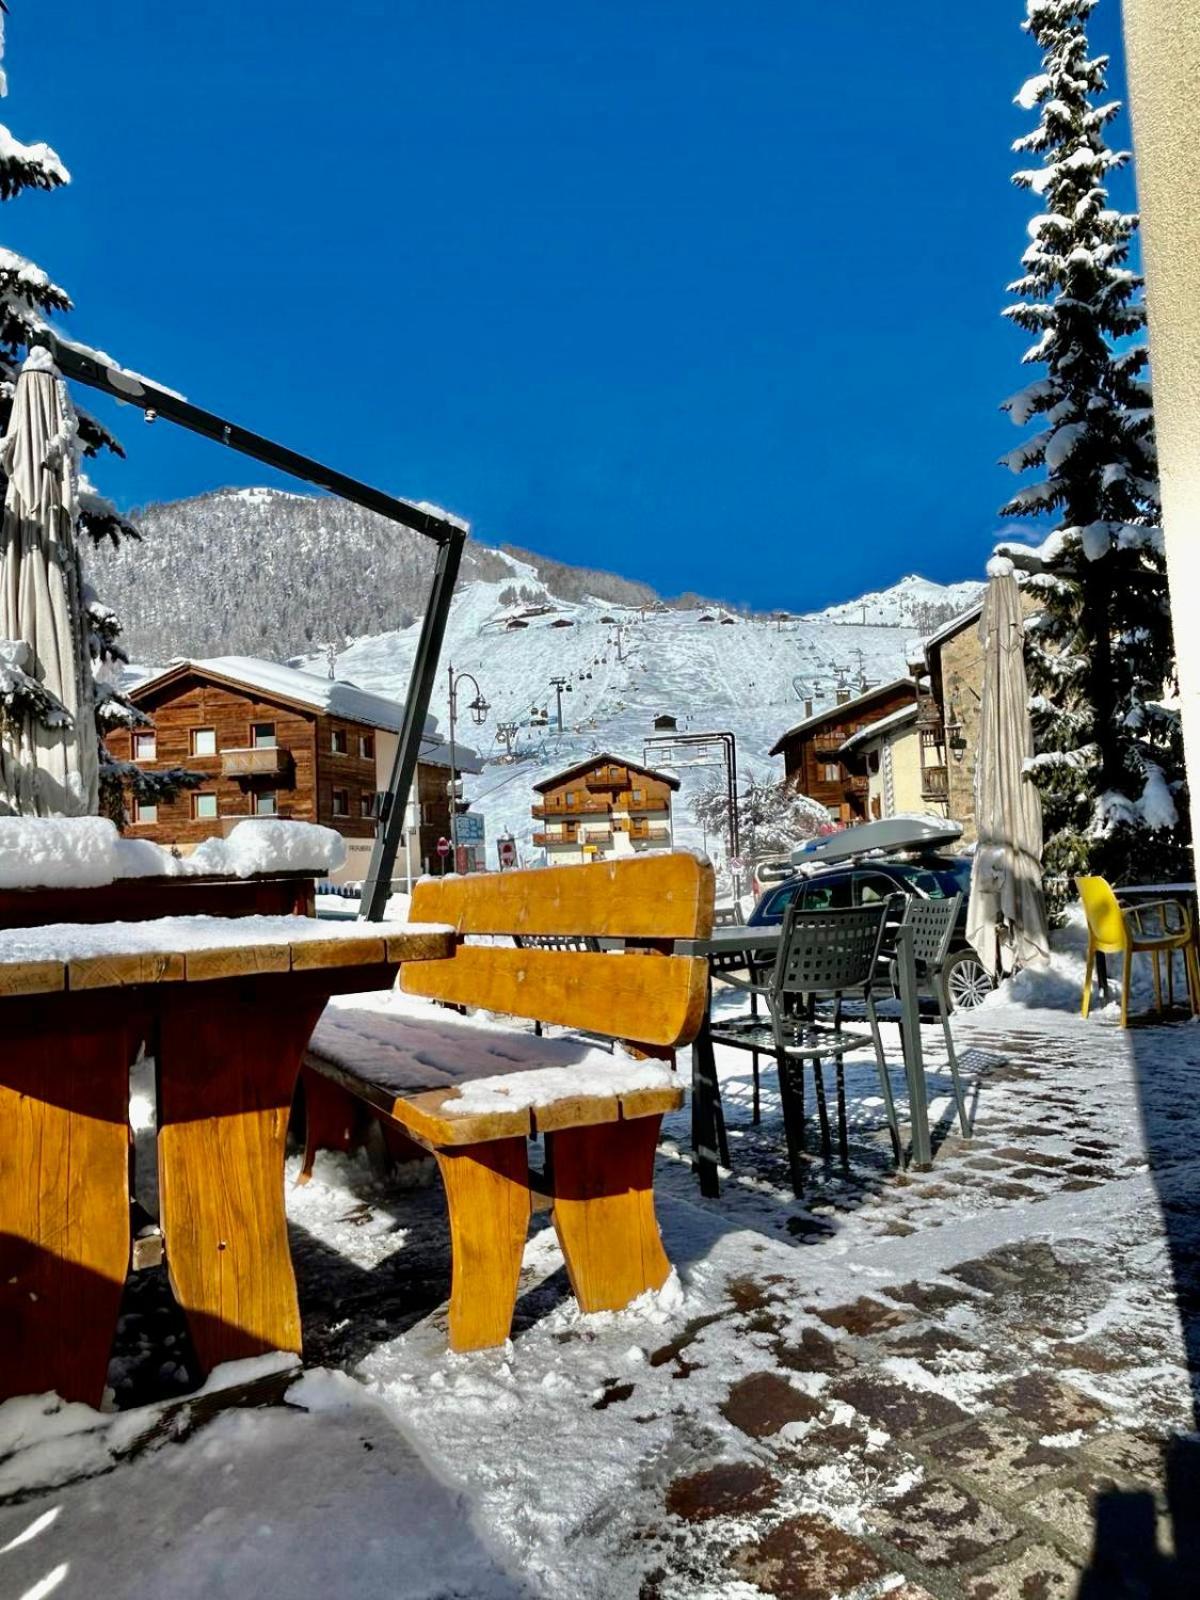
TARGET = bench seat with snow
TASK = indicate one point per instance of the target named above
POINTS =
(473, 1090)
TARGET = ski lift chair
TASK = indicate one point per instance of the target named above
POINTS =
(821, 955)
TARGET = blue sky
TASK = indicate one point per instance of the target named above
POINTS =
(707, 294)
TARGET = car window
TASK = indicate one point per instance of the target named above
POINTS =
(776, 903)
(872, 887)
(830, 893)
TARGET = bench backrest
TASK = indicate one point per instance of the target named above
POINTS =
(642, 993)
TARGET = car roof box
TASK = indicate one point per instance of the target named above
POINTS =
(891, 833)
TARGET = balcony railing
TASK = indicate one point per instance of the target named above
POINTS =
(626, 802)
(548, 809)
(854, 784)
(646, 830)
(258, 761)
(935, 783)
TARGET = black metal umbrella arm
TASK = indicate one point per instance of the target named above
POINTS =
(447, 532)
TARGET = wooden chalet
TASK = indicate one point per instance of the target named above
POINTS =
(812, 750)
(273, 741)
(603, 807)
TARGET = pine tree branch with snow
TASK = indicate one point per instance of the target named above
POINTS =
(1100, 653)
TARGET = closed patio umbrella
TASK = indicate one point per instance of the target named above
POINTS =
(45, 770)
(1006, 909)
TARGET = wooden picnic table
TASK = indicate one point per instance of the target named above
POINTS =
(226, 1006)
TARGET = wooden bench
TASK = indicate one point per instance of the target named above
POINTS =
(474, 1091)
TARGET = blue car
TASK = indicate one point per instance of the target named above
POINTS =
(968, 982)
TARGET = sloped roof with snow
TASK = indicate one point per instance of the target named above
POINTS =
(885, 725)
(604, 759)
(332, 697)
(836, 713)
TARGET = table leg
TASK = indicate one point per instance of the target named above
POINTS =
(914, 1059)
(227, 1071)
(64, 1202)
(705, 1105)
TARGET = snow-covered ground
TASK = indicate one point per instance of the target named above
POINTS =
(945, 1383)
(751, 677)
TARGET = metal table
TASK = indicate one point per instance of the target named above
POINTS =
(709, 1139)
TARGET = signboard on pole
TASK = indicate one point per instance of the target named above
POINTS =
(506, 849)
(443, 847)
(468, 828)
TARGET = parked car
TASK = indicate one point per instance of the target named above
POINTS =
(768, 871)
(968, 982)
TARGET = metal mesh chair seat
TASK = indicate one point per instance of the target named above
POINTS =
(801, 1037)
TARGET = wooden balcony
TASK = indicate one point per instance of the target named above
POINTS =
(608, 778)
(626, 802)
(855, 784)
(935, 783)
(549, 839)
(549, 809)
(595, 836)
(258, 761)
(648, 832)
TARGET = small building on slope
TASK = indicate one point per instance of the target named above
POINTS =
(603, 807)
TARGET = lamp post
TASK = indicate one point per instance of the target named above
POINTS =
(479, 709)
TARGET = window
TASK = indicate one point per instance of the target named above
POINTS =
(831, 772)
(637, 797)
(827, 894)
(204, 805)
(204, 743)
(265, 803)
(341, 801)
(262, 735)
(339, 742)
(145, 810)
(872, 887)
(366, 746)
(144, 747)
(367, 805)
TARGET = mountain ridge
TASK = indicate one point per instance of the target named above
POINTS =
(264, 571)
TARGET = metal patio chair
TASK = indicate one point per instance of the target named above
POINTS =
(822, 955)
(932, 923)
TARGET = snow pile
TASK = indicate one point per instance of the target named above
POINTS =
(56, 852)
(544, 1085)
(78, 941)
(267, 845)
(89, 853)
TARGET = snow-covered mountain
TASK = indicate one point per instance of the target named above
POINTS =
(750, 676)
(257, 572)
(914, 603)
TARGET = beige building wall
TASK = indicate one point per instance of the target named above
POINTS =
(962, 684)
(1162, 39)
(894, 786)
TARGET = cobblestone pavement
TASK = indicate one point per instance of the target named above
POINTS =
(971, 1383)
(1019, 1422)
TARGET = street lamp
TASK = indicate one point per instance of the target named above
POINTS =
(479, 709)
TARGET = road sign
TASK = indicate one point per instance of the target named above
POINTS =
(468, 828)
(443, 847)
(737, 862)
(507, 851)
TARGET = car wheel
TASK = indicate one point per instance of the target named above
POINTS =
(968, 982)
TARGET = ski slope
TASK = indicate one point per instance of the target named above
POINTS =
(749, 677)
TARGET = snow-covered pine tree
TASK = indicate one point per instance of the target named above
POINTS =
(1109, 760)
(28, 299)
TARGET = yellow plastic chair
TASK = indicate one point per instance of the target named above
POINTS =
(1124, 931)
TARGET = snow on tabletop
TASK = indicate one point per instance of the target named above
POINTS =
(88, 852)
(407, 1045)
(75, 941)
